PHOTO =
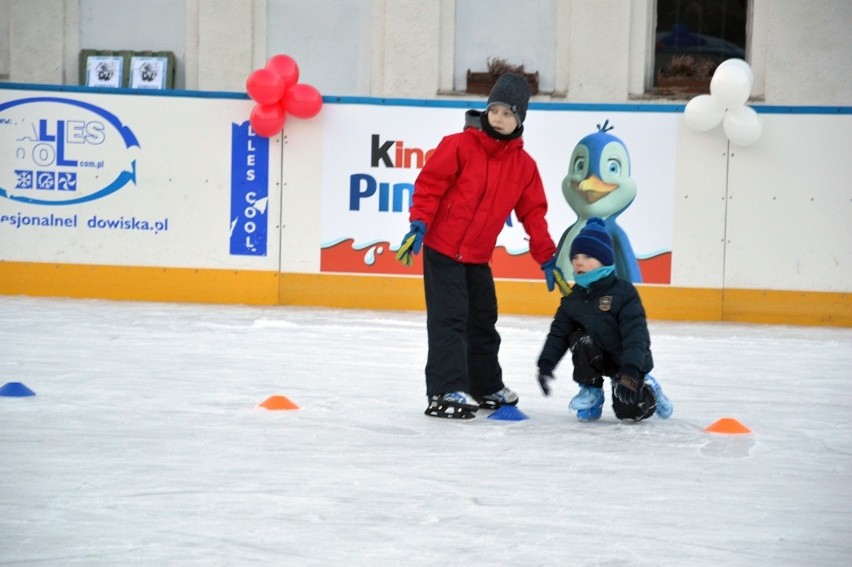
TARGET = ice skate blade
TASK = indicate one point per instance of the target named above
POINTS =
(450, 412)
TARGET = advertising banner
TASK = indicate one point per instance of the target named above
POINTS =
(134, 180)
(131, 180)
(373, 154)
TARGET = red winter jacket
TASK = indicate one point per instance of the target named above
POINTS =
(468, 188)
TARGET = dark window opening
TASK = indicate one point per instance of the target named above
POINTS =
(693, 37)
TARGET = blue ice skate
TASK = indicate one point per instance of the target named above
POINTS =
(588, 403)
(664, 404)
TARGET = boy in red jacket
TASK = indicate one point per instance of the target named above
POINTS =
(462, 198)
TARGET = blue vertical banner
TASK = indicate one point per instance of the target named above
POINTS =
(249, 191)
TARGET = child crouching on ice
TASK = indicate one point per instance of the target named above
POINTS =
(602, 322)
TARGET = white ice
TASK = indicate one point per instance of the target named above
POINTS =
(144, 445)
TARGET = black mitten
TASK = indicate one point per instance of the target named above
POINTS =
(629, 385)
(544, 380)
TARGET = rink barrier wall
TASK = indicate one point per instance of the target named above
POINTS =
(725, 266)
(520, 297)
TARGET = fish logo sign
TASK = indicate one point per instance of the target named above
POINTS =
(58, 151)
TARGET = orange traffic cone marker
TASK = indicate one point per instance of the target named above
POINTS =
(278, 403)
(727, 426)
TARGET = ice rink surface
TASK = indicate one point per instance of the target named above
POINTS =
(144, 445)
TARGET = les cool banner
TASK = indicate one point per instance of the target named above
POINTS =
(103, 179)
(373, 155)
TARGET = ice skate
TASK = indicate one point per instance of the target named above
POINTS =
(588, 403)
(502, 397)
(664, 404)
(452, 405)
(587, 397)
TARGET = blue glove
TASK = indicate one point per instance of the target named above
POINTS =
(554, 278)
(411, 244)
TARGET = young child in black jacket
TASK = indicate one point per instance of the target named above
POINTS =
(602, 322)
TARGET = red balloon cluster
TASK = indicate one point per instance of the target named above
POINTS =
(277, 92)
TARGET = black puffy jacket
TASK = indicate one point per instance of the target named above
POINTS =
(611, 312)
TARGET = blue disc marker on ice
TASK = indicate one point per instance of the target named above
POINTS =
(508, 413)
(15, 390)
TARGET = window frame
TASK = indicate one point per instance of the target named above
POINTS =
(672, 86)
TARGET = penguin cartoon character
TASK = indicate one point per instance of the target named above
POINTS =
(598, 184)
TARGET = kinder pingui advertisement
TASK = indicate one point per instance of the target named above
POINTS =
(617, 166)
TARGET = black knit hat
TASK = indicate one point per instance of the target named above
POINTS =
(514, 91)
(594, 241)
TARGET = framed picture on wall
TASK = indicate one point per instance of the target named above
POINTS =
(148, 72)
(104, 71)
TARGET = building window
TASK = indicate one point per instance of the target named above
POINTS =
(329, 39)
(692, 38)
(136, 26)
(511, 33)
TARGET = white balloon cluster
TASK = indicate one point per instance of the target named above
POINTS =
(730, 88)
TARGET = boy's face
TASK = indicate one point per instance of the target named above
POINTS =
(502, 119)
(582, 263)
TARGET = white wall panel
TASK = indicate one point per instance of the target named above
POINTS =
(699, 208)
(301, 186)
(790, 206)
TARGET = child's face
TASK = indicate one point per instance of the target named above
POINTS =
(582, 263)
(502, 119)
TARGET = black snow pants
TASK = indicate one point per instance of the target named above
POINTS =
(461, 318)
(591, 365)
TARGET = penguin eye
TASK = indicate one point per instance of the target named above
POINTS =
(613, 166)
(580, 164)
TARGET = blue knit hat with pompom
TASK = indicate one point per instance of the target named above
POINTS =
(594, 241)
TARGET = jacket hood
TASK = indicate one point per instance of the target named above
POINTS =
(473, 119)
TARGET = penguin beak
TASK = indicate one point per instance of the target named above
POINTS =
(592, 189)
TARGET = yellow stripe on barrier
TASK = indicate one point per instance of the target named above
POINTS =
(139, 283)
(360, 291)
(788, 307)
(353, 291)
